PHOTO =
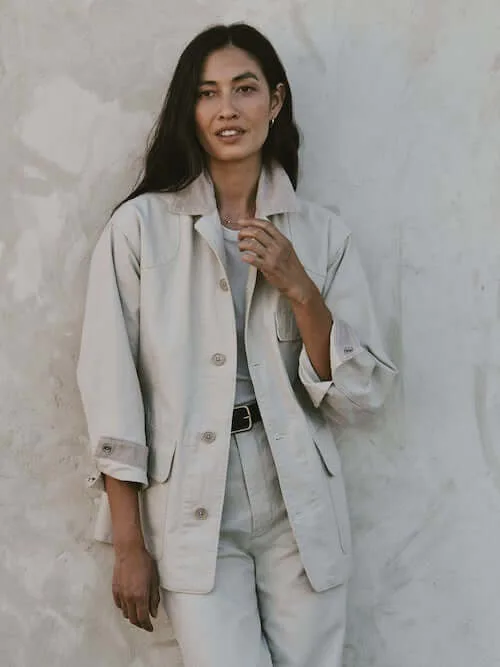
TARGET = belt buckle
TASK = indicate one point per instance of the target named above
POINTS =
(246, 416)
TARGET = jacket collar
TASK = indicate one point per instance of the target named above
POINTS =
(275, 194)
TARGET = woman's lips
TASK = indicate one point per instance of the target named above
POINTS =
(230, 130)
(230, 136)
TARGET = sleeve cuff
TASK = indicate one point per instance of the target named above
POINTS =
(122, 451)
(316, 388)
(344, 345)
(125, 473)
(121, 459)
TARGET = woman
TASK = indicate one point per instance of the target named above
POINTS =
(228, 325)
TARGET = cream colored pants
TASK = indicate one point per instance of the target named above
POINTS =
(262, 611)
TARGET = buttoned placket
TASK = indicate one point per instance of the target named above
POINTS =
(253, 363)
(207, 227)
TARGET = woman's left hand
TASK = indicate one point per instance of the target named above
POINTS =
(268, 250)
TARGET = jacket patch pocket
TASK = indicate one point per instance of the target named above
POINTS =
(153, 501)
(160, 461)
(330, 459)
(161, 244)
(153, 506)
(286, 325)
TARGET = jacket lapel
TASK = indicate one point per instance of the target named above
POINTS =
(275, 195)
(209, 227)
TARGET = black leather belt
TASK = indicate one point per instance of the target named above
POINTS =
(244, 417)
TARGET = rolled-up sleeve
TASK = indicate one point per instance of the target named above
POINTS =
(107, 365)
(362, 373)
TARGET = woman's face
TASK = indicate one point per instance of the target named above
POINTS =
(234, 106)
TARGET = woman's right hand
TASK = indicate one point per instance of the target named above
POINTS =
(136, 589)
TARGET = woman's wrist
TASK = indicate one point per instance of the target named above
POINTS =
(304, 294)
(123, 499)
(127, 540)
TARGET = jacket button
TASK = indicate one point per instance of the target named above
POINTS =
(201, 513)
(219, 359)
(208, 436)
(107, 449)
(223, 285)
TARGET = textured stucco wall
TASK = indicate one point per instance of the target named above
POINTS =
(399, 103)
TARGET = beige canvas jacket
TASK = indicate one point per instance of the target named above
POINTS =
(157, 372)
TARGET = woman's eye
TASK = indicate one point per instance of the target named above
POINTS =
(206, 93)
(246, 89)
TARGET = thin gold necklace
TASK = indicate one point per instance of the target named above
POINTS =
(228, 222)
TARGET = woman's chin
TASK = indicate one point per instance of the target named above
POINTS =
(235, 154)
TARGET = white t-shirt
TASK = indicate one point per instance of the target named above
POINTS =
(237, 273)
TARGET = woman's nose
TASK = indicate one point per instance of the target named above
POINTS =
(227, 109)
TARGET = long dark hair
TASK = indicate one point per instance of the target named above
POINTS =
(174, 157)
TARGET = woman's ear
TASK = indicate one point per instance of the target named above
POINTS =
(277, 99)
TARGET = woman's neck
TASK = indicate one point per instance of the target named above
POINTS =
(235, 188)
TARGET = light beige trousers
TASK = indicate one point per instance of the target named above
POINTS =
(262, 611)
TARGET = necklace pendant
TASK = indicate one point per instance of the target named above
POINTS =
(228, 222)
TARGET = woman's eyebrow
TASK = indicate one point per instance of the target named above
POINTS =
(245, 75)
(235, 79)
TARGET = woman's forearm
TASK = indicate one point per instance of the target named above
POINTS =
(315, 324)
(135, 577)
(125, 516)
